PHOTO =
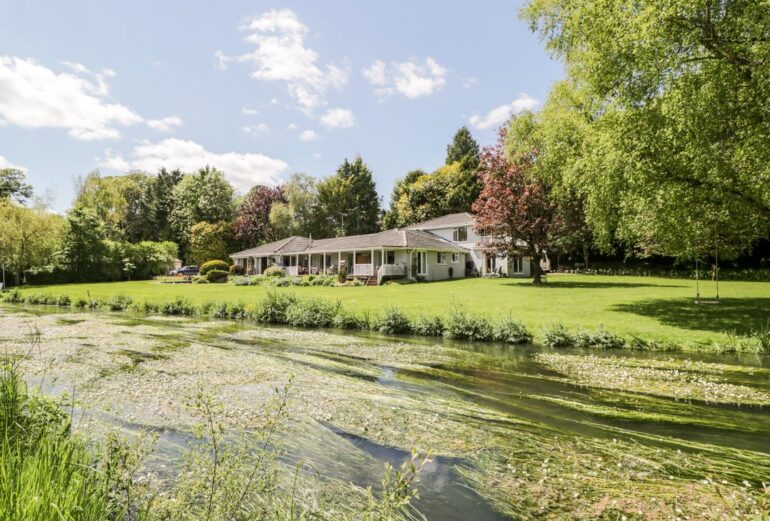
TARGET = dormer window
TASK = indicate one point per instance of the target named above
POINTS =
(460, 234)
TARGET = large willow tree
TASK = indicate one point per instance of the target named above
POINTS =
(664, 123)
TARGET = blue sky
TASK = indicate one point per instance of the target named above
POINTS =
(258, 89)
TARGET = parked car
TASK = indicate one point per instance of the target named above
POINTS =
(185, 271)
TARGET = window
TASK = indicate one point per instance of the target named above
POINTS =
(390, 257)
(517, 265)
(455, 258)
(422, 263)
(460, 234)
(440, 258)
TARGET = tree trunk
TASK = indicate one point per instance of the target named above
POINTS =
(536, 270)
(585, 254)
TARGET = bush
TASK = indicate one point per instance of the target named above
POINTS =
(601, 338)
(557, 335)
(510, 331)
(428, 326)
(463, 326)
(394, 322)
(217, 276)
(346, 320)
(213, 265)
(342, 276)
(312, 313)
(235, 311)
(119, 302)
(274, 271)
(179, 306)
(237, 269)
(272, 309)
(80, 303)
(14, 296)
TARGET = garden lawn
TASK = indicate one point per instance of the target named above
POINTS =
(646, 307)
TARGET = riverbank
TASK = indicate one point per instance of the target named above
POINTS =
(523, 433)
(574, 310)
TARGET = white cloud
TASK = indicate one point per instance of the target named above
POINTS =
(249, 111)
(165, 124)
(308, 135)
(410, 79)
(292, 126)
(499, 115)
(34, 96)
(4, 163)
(281, 56)
(255, 130)
(244, 170)
(317, 155)
(338, 118)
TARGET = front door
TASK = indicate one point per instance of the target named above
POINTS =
(491, 263)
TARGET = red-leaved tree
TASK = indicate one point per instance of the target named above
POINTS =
(252, 225)
(514, 210)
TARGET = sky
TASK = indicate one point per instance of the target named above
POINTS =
(259, 90)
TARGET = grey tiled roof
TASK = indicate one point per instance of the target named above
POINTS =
(445, 221)
(394, 238)
(291, 244)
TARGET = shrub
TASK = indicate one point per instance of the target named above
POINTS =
(80, 303)
(179, 306)
(119, 303)
(312, 313)
(14, 296)
(601, 338)
(342, 276)
(217, 276)
(275, 271)
(557, 335)
(428, 326)
(463, 326)
(63, 301)
(236, 311)
(511, 332)
(346, 320)
(394, 322)
(241, 281)
(237, 269)
(213, 265)
(272, 309)
(199, 280)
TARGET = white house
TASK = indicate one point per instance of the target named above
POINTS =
(439, 249)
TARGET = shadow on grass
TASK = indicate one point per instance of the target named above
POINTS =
(742, 315)
(569, 284)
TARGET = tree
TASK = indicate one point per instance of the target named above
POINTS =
(28, 237)
(252, 225)
(515, 209)
(209, 241)
(348, 203)
(463, 146)
(205, 196)
(12, 185)
(297, 215)
(670, 104)
(160, 198)
(398, 214)
(84, 251)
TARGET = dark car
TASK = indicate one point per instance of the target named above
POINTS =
(185, 271)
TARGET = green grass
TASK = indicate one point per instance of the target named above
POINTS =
(646, 307)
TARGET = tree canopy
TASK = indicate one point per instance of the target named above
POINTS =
(252, 224)
(12, 185)
(348, 203)
(204, 196)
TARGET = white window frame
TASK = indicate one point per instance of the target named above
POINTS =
(389, 253)
(441, 258)
(455, 258)
(517, 265)
(456, 234)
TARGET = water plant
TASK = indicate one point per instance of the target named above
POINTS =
(312, 313)
(393, 322)
(428, 326)
(557, 335)
(510, 331)
(461, 325)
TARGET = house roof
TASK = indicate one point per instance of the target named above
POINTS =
(395, 238)
(445, 221)
(292, 244)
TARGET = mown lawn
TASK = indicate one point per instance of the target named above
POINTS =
(651, 308)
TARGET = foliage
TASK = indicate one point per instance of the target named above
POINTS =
(212, 265)
(274, 271)
(514, 209)
(296, 213)
(179, 306)
(662, 124)
(393, 322)
(12, 185)
(215, 275)
(464, 326)
(84, 249)
(28, 237)
(463, 147)
(119, 303)
(273, 308)
(312, 313)
(557, 335)
(600, 338)
(348, 203)
(428, 326)
(237, 269)
(510, 331)
(252, 224)
(205, 196)
(209, 241)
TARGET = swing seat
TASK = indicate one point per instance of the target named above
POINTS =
(703, 301)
